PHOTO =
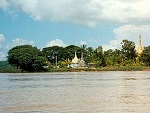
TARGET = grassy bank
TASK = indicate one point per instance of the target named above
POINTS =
(10, 71)
(112, 68)
(122, 68)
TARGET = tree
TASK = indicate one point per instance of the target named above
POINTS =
(108, 54)
(145, 56)
(128, 49)
(52, 52)
(88, 54)
(27, 58)
(114, 57)
(98, 57)
(69, 51)
(65, 63)
(83, 47)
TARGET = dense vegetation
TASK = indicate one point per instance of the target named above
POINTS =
(145, 57)
(27, 58)
(31, 59)
(6, 67)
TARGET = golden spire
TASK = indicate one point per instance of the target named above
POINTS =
(140, 49)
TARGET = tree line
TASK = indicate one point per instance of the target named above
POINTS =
(32, 59)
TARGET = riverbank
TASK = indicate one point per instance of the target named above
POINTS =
(111, 68)
(122, 68)
(10, 71)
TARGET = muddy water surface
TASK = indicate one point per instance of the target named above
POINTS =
(84, 92)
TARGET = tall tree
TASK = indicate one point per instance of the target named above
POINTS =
(69, 52)
(27, 58)
(88, 54)
(53, 53)
(98, 57)
(145, 57)
(83, 47)
(114, 57)
(128, 49)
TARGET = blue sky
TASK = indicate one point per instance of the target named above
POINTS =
(65, 22)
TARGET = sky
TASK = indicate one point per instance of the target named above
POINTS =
(45, 23)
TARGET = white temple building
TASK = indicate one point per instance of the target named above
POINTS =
(78, 63)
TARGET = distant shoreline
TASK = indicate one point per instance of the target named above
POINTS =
(110, 68)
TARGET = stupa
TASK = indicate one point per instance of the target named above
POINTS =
(82, 62)
(140, 49)
(75, 61)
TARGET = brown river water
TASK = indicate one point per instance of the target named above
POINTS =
(75, 92)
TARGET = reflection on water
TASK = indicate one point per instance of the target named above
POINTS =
(94, 92)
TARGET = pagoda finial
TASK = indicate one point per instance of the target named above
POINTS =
(140, 44)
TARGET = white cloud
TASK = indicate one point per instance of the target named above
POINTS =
(2, 38)
(93, 40)
(18, 41)
(56, 42)
(83, 43)
(4, 4)
(85, 12)
(114, 44)
(4, 48)
(131, 33)
(2, 56)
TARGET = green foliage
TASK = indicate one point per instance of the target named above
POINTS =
(88, 55)
(69, 51)
(98, 57)
(128, 49)
(51, 52)
(6, 67)
(114, 58)
(62, 53)
(27, 58)
(145, 57)
(65, 63)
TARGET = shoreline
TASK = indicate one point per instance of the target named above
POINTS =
(110, 68)
(122, 68)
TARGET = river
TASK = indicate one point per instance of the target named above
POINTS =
(75, 92)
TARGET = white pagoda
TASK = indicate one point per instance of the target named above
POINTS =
(82, 62)
(75, 61)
